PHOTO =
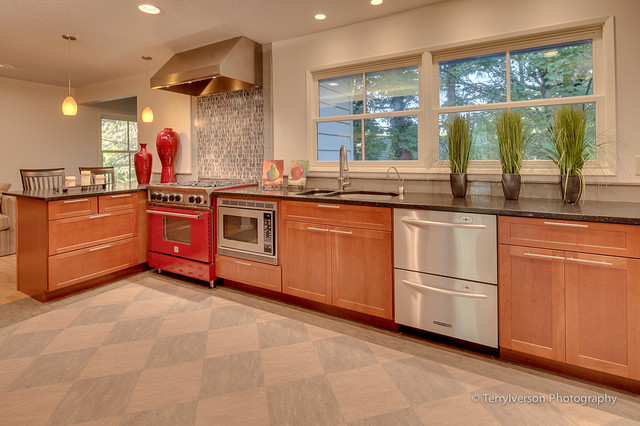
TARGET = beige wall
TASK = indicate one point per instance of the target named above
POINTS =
(35, 134)
(169, 110)
(452, 22)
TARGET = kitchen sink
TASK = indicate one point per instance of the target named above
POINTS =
(363, 195)
(316, 191)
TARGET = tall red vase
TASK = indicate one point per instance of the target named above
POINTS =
(167, 144)
(142, 161)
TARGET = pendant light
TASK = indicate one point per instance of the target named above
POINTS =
(69, 105)
(147, 114)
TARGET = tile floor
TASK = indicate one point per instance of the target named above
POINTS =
(155, 350)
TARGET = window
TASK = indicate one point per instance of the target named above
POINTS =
(374, 113)
(532, 75)
(119, 143)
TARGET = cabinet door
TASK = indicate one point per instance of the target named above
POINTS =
(305, 251)
(362, 271)
(531, 302)
(603, 318)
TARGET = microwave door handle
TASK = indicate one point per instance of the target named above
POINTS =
(422, 287)
(188, 216)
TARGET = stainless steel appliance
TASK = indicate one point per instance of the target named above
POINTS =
(182, 226)
(446, 274)
(247, 229)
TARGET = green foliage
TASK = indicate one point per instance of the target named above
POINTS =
(567, 148)
(511, 135)
(459, 142)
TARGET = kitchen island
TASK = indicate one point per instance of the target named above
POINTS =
(76, 239)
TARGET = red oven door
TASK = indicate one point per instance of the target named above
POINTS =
(181, 232)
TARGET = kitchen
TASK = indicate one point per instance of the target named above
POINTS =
(56, 140)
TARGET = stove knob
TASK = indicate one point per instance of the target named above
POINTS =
(172, 197)
(192, 199)
(178, 197)
(199, 199)
(153, 196)
(165, 198)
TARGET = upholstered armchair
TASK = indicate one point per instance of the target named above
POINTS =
(7, 222)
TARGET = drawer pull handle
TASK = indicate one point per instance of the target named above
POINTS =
(417, 222)
(342, 232)
(420, 287)
(100, 248)
(77, 200)
(593, 262)
(243, 263)
(121, 196)
(96, 216)
(311, 228)
(188, 216)
(328, 206)
(571, 225)
(543, 256)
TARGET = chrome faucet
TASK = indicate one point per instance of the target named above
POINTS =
(343, 166)
(400, 181)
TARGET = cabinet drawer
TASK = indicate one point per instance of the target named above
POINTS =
(86, 231)
(338, 214)
(81, 265)
(587, 237)
(72, 207)
(109, 203)
(249, 272)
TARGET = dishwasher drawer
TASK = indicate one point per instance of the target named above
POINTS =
(458, 245)
(461, 309)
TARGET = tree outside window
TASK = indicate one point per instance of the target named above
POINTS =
(119, 143)
(539, 79)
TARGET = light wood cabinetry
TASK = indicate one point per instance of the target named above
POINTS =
(72, 241)
(249, 272)
(339, 255)
(578, 306)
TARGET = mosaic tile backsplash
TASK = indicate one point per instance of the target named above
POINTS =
(230, 134)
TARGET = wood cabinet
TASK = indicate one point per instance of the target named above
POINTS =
(249, 272)
(339, 255)
(66, 242)
(579, 307)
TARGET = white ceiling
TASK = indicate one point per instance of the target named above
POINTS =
(112, 35)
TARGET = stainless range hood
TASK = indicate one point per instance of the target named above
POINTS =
(229, 65)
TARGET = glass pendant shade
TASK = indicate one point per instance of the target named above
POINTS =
(147, 115)
(69, 106)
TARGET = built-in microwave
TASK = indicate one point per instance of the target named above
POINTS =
(247, 229)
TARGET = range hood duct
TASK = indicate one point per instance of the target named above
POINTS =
(229, 65)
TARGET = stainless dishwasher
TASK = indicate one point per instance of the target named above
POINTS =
(446, 274)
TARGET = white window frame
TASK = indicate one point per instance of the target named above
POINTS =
(116, 117)
(313, 113)
(600, 31)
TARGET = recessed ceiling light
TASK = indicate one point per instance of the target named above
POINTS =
(149, 8)
(321, 16)
(376, 2)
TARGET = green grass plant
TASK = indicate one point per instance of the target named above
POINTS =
(511, 134)
(459, 142)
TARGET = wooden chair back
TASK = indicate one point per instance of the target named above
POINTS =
(42, 178)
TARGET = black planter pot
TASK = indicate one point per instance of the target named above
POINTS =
(570, 188)
(511, 185)
(458, 184)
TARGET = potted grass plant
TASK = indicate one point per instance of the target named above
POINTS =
(459, 148)
(567, 149)
(511, 135)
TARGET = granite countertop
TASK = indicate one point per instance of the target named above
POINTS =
(77, 191)
(590, 211)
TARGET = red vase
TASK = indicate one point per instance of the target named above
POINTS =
(167, 146)
(142, 161)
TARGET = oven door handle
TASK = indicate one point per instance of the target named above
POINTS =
(188, 216)
(420, 287)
